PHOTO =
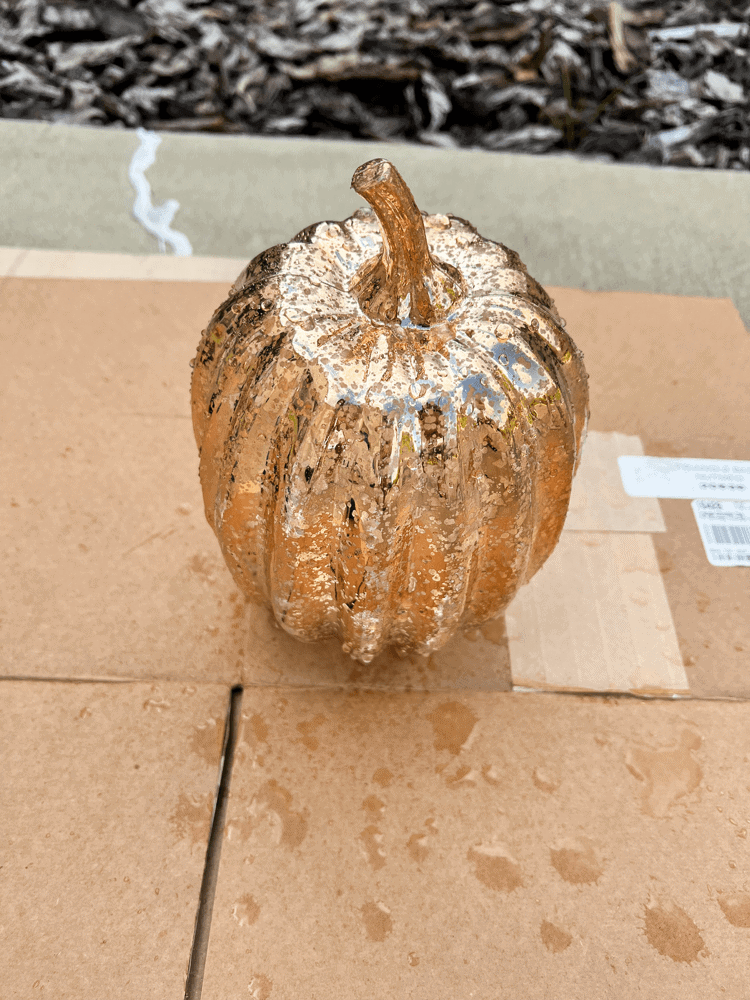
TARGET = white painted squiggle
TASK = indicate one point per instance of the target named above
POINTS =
(156, 219)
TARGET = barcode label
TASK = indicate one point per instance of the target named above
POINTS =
(724, 527)
(730, 534)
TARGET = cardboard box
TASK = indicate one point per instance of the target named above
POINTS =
(107, 795)
(413, 827)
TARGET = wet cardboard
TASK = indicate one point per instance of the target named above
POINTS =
(107, 792)
(112, 570)
(455, 839)
(483, 844)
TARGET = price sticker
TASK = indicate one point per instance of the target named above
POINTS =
(685, 478)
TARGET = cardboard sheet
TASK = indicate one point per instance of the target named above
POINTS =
(114, 572)
(486, 845)
(675, 372)
(107, 793)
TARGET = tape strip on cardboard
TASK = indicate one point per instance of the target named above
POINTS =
(596, 618)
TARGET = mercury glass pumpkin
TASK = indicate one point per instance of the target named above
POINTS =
(389, 414)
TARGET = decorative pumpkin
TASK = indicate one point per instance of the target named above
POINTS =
(389, 415)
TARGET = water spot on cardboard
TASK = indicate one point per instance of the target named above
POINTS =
(238, 607)
(383, 777)
(494, 632)
(412, 958)
(672, 933)
(545, 780)
(496, 868)
(417, 847)
(554, 939)
(664, 559)
(272, 806)
(465, 777)
(491, 774)
(702, 602)
(259, 728)
(576, 861)
(452, 724)
(377, 921)
(192, 817)
(372, 844)
(736, 908)
(245, 911)
(156, 704)
(202, 566)
(260, 987)
(373, 805)
(667, 773)
(307, 730)
(207, 740)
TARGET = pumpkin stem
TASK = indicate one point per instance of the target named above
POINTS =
(404, 272)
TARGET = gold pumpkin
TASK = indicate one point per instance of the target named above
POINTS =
(389, 415)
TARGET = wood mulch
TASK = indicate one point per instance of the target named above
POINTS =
(664, 82)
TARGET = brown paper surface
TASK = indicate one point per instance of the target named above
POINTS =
(675, 371)
(111, 569)
(487, 845)
(107, 792)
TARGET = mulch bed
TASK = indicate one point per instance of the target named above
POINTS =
(663, 82)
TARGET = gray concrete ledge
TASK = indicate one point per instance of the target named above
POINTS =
(574, 222)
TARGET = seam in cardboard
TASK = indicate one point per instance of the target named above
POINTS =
(47, 679)
(199, 951)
